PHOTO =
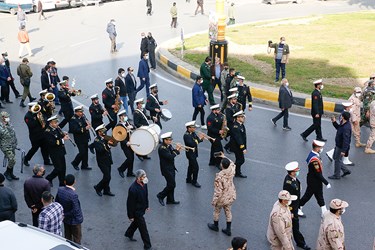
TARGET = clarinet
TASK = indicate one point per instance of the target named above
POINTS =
(63, 135)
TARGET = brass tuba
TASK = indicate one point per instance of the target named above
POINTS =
(35, 109)
(224, 127)
(50, 97)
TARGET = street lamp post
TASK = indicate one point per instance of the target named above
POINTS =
(219, 47)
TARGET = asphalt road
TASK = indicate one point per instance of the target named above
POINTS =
(77, 41)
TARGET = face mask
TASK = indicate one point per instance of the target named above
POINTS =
(321, 151)
(289, 202)
(321, 87)
(114, 23)
(143, 106)
(358, 95)
(282, 42)
(287, 84)
(146, 57)
(3, 63)
(125, 119)
(123, 75)
(145, 180)
(7, 119)
(297, 173)
(351, 110)
(43, 172)
(343, 211)
(5, 58)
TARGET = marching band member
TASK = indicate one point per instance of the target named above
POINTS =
(64, 95)
(231, 109)
(215, 130)
(153, 104)
(191, 139)
(166, 155)
(244, 93)
(96, 111)
(104, 160)
(109, 101)
(44, 103)
(36, 124)
(238, 141)
(80, 129)
(8, 144)
(141, 119)
(55, 139)
(125, 146)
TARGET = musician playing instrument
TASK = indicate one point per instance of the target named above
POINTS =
(141, 119)
(109, 101)
(125, 146)
(44, 103)
(166, 155)
(96, 111)
(215, 130)
(191, 139)
(244, 93)
(36, 124)
(80, 129)
(55, 140)
(104, 160)
(238, 141)
(153, 104)
(64, 95)
(232, 108)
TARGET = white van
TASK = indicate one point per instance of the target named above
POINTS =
(11, 6)
(22, 236)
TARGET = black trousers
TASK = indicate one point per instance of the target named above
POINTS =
(15, 91)
(112, 123)
(129, 161)
(35, 145)
(315, 126)
(139, 223)
(199, 110)
(59, 168)
(284, 113)
(82, 155)
(192, 171)
(131, 100)
(68, 114)
(104, 182)
(297, 235)
(215, 147)
(5, 92)
(218, 83)
(8, 215)
(316, 190)
(240, 159)
(36, 217)
(151, 54)
(168, 191)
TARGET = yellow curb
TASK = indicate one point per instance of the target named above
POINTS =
(264, 94)
(183, 71)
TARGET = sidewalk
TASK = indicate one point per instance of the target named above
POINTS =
(261, 93)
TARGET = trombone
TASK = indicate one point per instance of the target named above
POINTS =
(186, 148)
(207, 137)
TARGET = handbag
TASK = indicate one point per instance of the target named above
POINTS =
(26, 82)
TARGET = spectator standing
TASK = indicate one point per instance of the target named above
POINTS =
(143, 74)
(151, 46)
(23, 38)
(55, 80)
(285, 103)
(223, 77)
(73, 216)
(5, 79)
(144, 44)
(137, 205)
(111, 30)
(131, 83)
(120, 82)
(25, 74)
(224, 195)
(11, 83)
(40, 10)
(199, 100)
(149, 7)
(205, 72)
(8, 202)
(281, 53)
(52, 215)
(21, 16)
(33, 189)
(216, 70)
(231, 12)
(199, 5)
(173, 12)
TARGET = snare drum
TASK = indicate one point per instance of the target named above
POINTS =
(144, 140)
(166, 115)
(155, 127)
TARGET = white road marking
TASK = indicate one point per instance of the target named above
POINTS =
(83, 42)
(79, 103)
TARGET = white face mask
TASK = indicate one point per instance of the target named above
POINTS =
(146, 57)
(321, 87)
(7, 119)
(123, 75)
(282, 42)
(143, 105)
(114, 23)
(125, 119)
(289, 202)
(321, 151)
(351, 110)
(343, 211)
(145, 180)
(358, 95)
(287, 84)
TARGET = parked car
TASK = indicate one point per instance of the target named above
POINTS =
(88, 2)
(11, 6)
(16, 235)
(47, 5)
(61, 3)
(282, 1)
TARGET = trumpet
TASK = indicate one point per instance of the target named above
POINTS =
(186, 148)
(207, 137)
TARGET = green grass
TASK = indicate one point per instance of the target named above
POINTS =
(333, 46)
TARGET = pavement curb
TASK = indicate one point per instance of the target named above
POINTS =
(260, 93)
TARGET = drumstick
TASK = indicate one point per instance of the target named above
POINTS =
(138, 145)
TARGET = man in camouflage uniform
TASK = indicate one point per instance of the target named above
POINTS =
(367, 98)
(371, 138)
(331, 232)
(355, 115)
(279, 232)
(8, 144)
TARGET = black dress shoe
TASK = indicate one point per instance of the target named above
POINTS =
(197, 185)
(9, 101)
(121, 173)
(48, 163)
(97, 191)
(130, 175)
(75, 166)
(303, 137)
(240, 175)
(32, 99)
(211, 164)
(131, 238)
(160, 200)
(140, 158)
(26, 163)
(86, 168)
(333, 177)
(322, 139)
(346, 173)
(305, 247)
(109, 193)
(147, 157)
(173, 202)
(188, 180)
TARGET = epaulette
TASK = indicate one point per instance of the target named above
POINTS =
(73, 117)
(163, 147)
(48, 130)
(235, 126)
(289, 182)
(96, 139)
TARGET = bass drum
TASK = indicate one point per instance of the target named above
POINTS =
(155, 127)
(144, 140)
(166, 115)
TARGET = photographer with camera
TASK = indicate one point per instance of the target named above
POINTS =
(281, 52)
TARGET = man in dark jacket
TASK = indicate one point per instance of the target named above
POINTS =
(73, 216)
(238, 141)
(131, 84)
(120, 82)
(153, 104)
(205, 72)
(137, 205)
(8, 202)
(144, 44)
(342, 140)
(11, 83)
(215, 70)
(285, 103)
(5, 79)
(65, 95)
(316, 112)
(45, 78)
(166, 155)
(199, 100)
(33, 189)
(143, 74)
(151, 46)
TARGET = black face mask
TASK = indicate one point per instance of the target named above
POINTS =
(43, 172)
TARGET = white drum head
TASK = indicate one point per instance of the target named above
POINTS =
(144, 140)
(166, 114)
(156, 128)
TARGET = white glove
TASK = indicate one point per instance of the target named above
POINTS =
(328, 186)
